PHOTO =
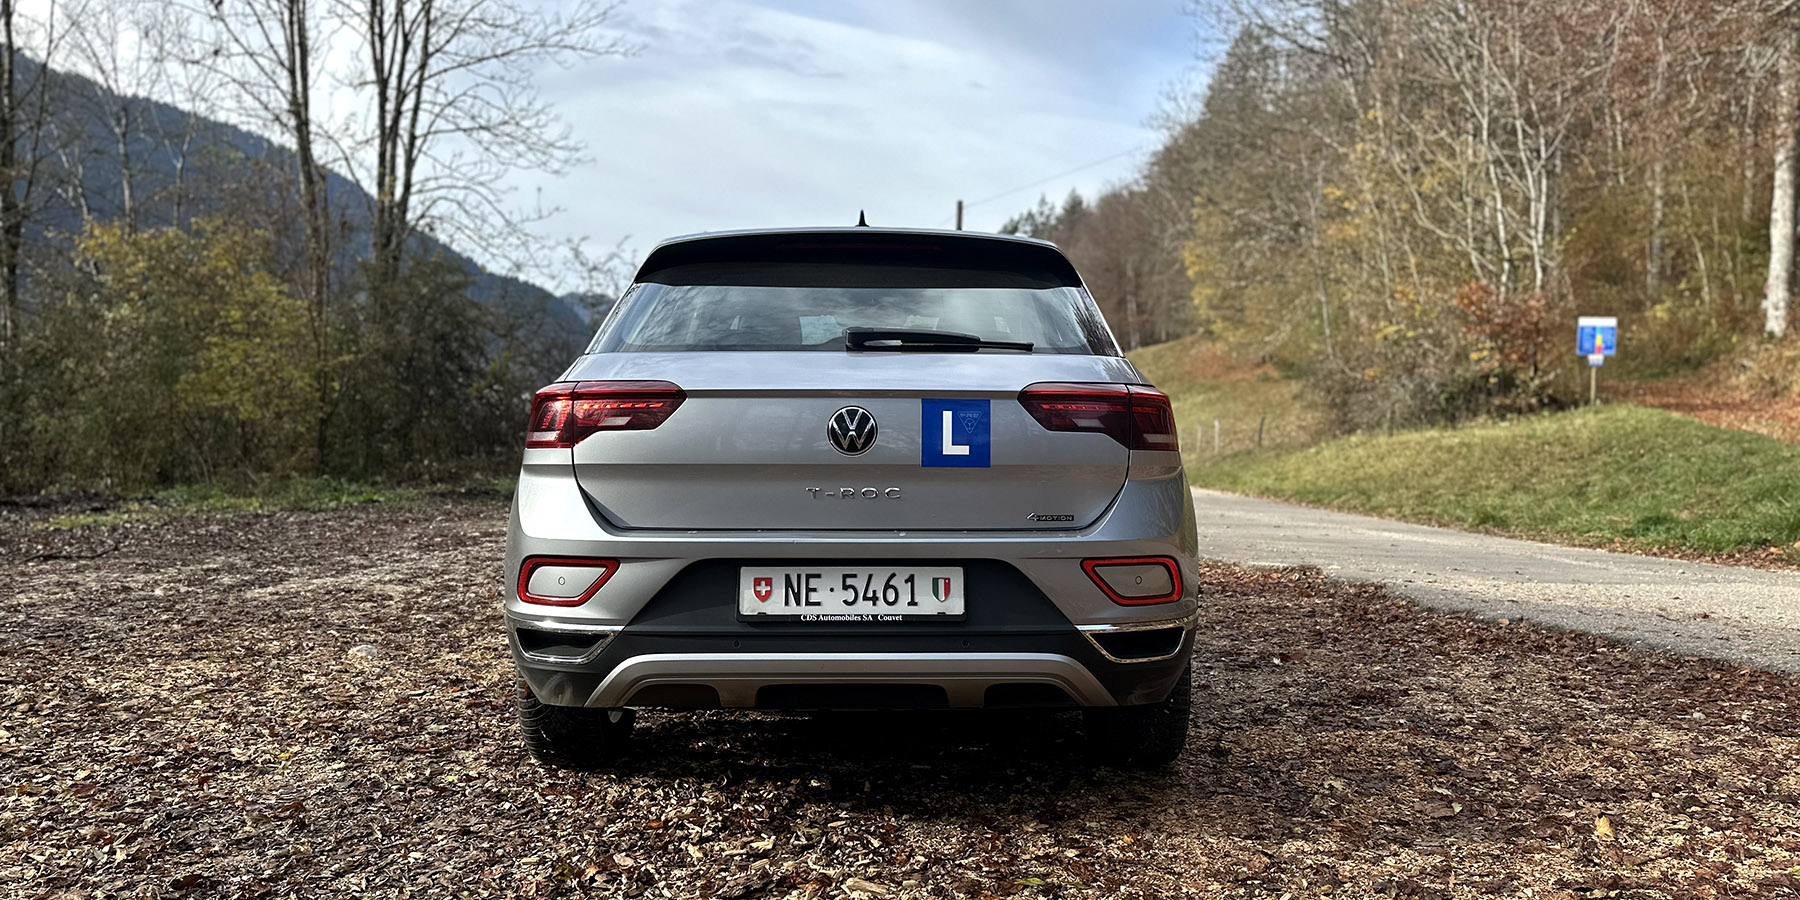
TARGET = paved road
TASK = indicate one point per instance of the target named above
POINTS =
(1743, 615)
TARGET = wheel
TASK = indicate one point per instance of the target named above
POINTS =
(1142, 737)
(570, 737)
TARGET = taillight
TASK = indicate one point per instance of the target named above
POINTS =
(1136, 581)
(563, 414)
(1152, 421)
(554, 581)
(1140, 418)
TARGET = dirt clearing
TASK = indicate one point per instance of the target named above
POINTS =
(319, 704)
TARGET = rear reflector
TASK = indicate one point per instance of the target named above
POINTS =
(552, 581)
(563, 414)
(1140, 418)
(1137, 581)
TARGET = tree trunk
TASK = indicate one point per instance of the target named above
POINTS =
(1659, 182)
(1781, 207)
(297, 63)
(1659, 215)
(312, 176)
(127, 196)
(1747, 140)
(178, 212)
(12, 214)
(401, 36)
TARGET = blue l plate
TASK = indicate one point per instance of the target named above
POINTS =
(954, 434)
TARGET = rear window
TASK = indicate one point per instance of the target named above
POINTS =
(812, 312)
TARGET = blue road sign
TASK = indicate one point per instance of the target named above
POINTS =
(1597, 336)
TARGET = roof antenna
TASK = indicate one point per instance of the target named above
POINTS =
(862, 221)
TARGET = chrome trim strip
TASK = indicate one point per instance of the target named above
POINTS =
(561, 627)
(965, 677)
(603, 634)
(1185, 623)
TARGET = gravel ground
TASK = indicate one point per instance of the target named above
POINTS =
(318, 704)
(1745, 615)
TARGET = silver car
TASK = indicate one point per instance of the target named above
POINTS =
(852, 468)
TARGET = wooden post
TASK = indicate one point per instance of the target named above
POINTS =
(1259, 429)
(1215, 436)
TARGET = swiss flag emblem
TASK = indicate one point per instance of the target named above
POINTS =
(763, 588)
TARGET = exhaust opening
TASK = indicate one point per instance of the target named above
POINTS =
(560, 646)
(1145, 645)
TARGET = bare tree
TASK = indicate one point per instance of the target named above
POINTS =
(168, 41)
(112, 45)
(456, 109)
(265, 50)
(132, 54)
(601, 277)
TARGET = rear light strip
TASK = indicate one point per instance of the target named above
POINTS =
(562, 414)
(1140, 418)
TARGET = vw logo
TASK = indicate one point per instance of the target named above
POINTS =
(851, 430)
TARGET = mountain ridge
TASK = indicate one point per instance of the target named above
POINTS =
(91, 184)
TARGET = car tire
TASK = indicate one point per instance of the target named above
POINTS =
(1142, 737)
(570, 737)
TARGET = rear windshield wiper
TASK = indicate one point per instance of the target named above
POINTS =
(859, 337)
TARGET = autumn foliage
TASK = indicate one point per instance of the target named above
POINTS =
(1514, 337)
(173, 356)
(1408, 202)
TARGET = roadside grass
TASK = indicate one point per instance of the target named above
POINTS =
(1206, 384)
(275, 495)
(1622, 476)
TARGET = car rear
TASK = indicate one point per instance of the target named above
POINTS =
(849, 469)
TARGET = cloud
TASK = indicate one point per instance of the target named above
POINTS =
(740, 114)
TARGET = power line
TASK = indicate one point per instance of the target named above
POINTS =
(1043, 181)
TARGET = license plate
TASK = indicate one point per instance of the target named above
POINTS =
(850, 593)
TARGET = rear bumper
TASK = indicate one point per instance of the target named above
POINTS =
(1151, 517)
(1031, 667)
(663, 631)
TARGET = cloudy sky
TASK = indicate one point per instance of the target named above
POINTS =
(748, 113)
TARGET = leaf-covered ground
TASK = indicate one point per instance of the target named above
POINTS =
(318, 704)
(1756, 388)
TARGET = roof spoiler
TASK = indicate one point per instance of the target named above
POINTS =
(968, 259)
